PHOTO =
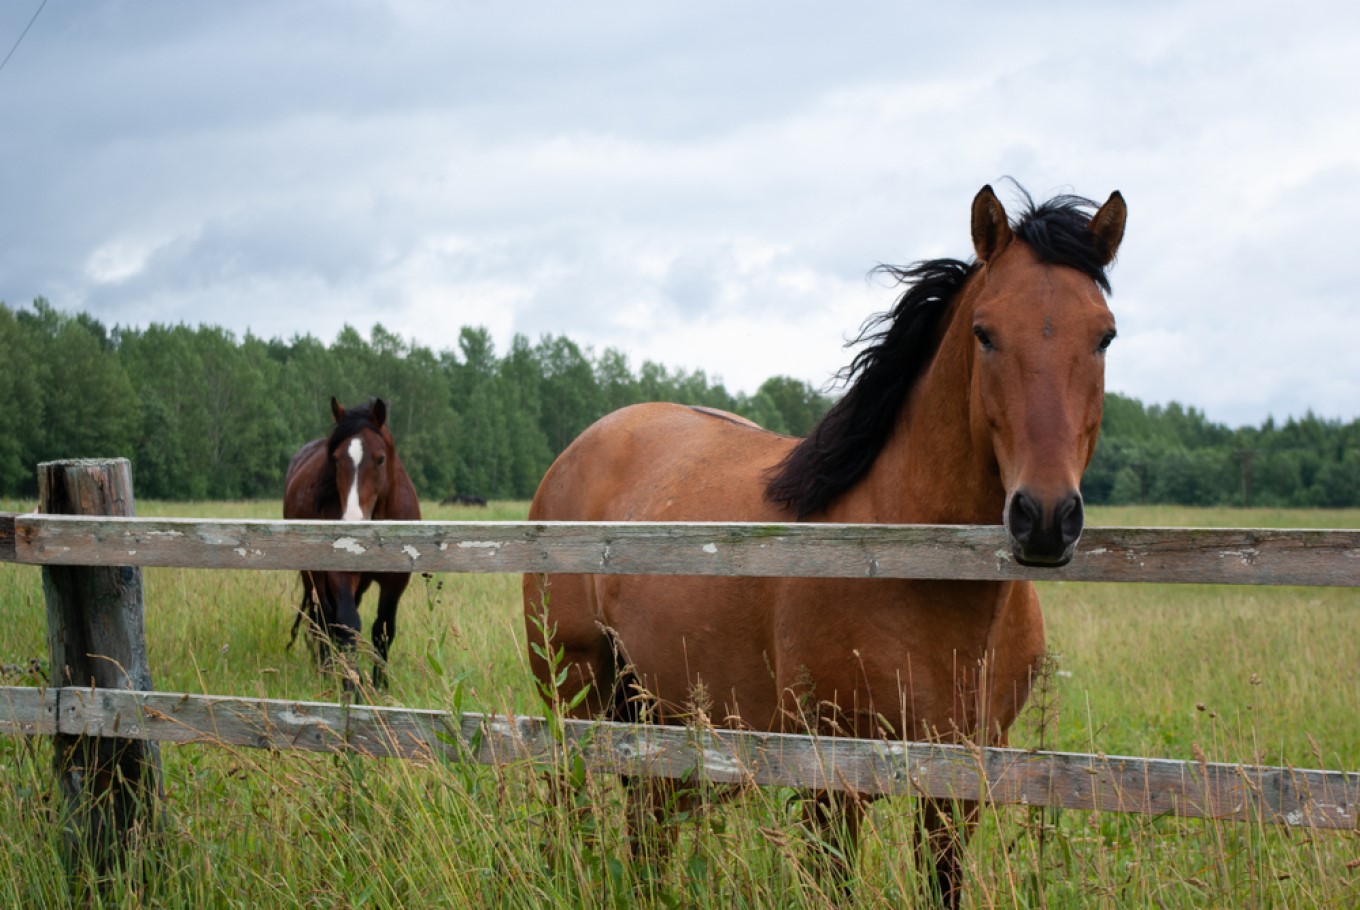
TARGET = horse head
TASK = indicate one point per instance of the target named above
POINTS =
(361, 451)
(1040, 327)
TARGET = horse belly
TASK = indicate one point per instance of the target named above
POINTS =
(913, 659)
(699, 646)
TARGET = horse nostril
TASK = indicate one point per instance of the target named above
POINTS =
(1024, 516)
(1070, 518)
(1044, 536)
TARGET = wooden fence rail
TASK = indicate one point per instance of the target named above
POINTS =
(124, 711)
(1296, 797)
(955, 552)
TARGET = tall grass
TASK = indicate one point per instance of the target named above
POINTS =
(1254, 675)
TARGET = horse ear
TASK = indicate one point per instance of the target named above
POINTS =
(991, 230)
(379, 412)
(336, 411)
(1108, 224)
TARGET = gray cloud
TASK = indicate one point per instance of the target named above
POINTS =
(706, 185)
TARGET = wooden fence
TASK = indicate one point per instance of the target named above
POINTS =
(123, 711)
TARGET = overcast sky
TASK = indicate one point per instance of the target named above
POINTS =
(702, 184)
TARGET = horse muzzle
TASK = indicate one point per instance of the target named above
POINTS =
(1044, 533)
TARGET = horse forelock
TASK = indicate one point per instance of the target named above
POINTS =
(902, 341)
(356, 420)
(1058, 233)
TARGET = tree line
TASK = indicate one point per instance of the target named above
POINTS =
(204, 415)
(1174, 454)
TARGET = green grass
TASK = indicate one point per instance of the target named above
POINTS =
(1258, 675)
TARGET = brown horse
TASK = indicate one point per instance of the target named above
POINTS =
(354, 474)
(977, 400)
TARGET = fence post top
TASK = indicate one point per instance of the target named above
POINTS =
(83, 462)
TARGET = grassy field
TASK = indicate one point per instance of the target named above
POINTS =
(1256, 675)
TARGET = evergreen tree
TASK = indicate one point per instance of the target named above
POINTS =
(570, 397)
(24, 373)
(90, 408)
(800, 405)
(203, 414)
(163, 365)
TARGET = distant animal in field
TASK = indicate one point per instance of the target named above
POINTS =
(354, 474)
(463, 499)
(976, 400)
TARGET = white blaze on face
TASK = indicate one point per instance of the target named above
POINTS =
(354, 511)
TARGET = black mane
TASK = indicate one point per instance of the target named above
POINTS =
(901, 341)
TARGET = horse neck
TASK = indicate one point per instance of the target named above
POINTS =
(932, 470)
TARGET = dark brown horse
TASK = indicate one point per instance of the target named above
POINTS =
(977, 400)
(354, 474)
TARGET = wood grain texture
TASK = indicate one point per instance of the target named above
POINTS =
(1205, 555)
(26, 711)
(1287, 796)
(96, 635)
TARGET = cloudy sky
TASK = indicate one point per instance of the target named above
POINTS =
(702, 184)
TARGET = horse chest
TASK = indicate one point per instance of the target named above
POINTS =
(907, 657)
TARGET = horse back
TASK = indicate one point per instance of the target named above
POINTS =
(663, 462)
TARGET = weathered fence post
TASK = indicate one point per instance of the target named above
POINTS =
(110, 788)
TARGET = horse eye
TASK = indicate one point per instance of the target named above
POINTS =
(983, 338)
(1105, 341)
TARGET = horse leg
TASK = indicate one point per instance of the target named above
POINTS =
(390, 588)
(309, 612)
(947, 825)
(322, 616)
(574, 666)
(566, 636)
(342, 622)
(650, 800)
(834, 820)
